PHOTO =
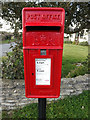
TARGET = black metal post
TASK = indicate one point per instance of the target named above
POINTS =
(42, 108)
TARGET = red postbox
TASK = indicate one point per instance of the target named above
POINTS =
(43, 32)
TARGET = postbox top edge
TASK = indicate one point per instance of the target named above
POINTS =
(43, 8)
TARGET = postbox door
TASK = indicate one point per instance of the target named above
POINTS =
(55, 70)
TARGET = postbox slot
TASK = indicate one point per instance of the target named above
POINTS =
(42, 28)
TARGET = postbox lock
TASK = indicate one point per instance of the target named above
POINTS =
(43, 52)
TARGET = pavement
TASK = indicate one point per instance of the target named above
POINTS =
(6, 48)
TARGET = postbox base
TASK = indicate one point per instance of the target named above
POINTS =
(34, 96)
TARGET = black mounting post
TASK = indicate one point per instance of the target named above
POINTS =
(42, 108)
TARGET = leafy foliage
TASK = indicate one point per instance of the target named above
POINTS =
(76, 13)
(68, 42)
(80, 70)
(87, 63)
(83, 43)
(12, 65)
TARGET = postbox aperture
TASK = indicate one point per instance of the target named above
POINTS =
(43, 31)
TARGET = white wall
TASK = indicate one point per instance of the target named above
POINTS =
(84, 38)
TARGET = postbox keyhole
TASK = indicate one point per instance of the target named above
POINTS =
(43, 52)
(32, 73)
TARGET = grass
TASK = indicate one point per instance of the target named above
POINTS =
(71, 107)
(72, 54)
(7, 41)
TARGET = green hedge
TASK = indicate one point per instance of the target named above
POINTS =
(83, 43)
(68, 42)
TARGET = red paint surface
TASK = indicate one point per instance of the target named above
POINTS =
(43, 28)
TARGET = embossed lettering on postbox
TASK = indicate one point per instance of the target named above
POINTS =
(44, 17)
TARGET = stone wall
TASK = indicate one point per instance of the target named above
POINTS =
(13, 91)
